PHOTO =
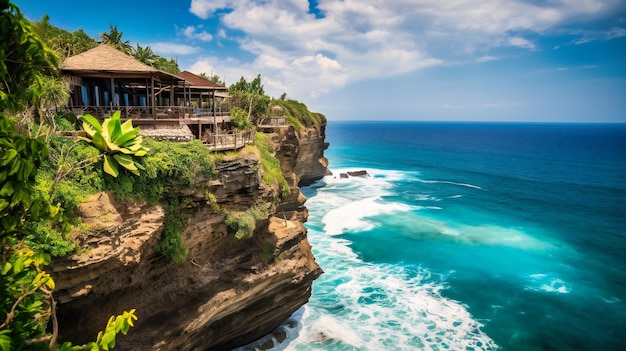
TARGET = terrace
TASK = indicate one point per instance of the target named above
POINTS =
(104, 80)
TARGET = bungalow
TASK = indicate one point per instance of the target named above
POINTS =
(104, 79)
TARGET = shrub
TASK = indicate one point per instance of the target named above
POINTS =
(272, 173)
(117, 141)
(239, 119)
(242, 224)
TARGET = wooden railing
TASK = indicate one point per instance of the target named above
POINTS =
(229, 141)
(269, 122)
(145, 112)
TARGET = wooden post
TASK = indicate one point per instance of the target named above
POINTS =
(112, 97)
(152, 97)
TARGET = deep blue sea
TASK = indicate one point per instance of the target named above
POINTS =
(469, 236)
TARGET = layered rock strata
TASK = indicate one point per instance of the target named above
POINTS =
(228, 292)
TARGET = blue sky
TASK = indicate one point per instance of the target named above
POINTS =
(452, 60)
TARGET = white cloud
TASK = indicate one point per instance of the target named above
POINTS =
(522, 43)
(487, 58)
(191, 33)
(205, 8)
(589, 36)
(356, 40)
(169, 49)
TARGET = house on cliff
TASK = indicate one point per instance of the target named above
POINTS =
(104, 79)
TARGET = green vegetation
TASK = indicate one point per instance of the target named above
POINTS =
(267, 251)
(242, 224)
(298, 115)
(117, 141)
(272, 174)
(45, 177)
(27, 304)
(171, 243)
(239, 119)
(26, 298)
(64, 43)
(250, 96)
(23, 59)
(114, 39)
(167, 165)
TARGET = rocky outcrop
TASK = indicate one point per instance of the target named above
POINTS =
(227, 293)
(303, 151)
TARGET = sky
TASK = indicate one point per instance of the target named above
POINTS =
(432, 60)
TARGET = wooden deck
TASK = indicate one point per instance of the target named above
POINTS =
(230, 141)
(157, 113)
(172, 116)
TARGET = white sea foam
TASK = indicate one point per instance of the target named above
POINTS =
(425, 197)
(353, 216)
(384, 307)
(351, 202)
(364, 306)
(547, 283)
(449, 182)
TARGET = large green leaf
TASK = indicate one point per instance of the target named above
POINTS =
(118, 142)
(127, 162)
(114, 129)
(127, 126)
(91, 123)
(99, 142)
(127, 136)
(7, 157)
(110, 166)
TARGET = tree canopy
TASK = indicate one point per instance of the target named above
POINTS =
(114, 38)
(250, 96)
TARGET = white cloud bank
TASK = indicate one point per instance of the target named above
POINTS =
(355, 40)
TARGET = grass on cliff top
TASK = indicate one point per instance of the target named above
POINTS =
(298, 114)
(272, 173)
(165, 166)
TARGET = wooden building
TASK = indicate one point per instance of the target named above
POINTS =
(104, 79)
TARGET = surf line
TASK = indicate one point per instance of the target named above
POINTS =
(449, 182)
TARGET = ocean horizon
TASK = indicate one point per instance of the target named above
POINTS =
(468, 236)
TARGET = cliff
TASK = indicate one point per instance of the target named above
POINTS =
(228, 292)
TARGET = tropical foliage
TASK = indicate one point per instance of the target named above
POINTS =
(64, 43)
(272, 173)
(298, 115)
(250, 96)
(243, 223)
(23, 59)
(163, 64)
(114, 38)
(117, 141)
(26, 301)
(144, 54)
(239, 119)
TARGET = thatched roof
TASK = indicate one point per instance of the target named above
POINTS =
(198, 82)
(105, 58)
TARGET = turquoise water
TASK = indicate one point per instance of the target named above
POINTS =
(469, 237)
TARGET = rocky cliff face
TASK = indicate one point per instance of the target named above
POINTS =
(228, 292)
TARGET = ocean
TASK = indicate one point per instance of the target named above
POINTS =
(468, 236)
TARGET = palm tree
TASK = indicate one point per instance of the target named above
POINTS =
(163, 64)
(145, 55)
(114, 38)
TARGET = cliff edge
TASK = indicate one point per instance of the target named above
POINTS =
(228, 292)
